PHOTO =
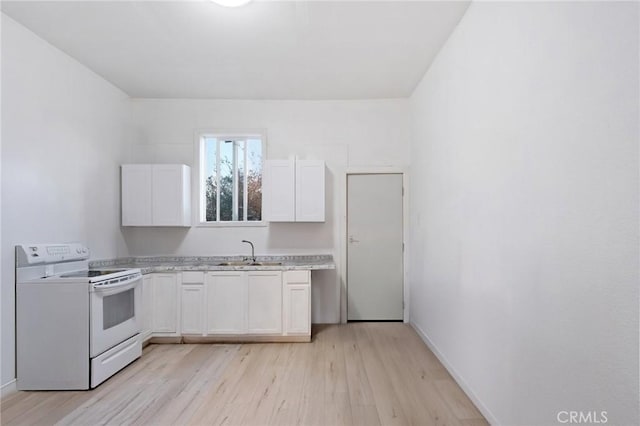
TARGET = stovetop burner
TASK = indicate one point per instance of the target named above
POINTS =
(89, 274)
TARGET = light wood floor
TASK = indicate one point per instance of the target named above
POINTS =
(355, 374)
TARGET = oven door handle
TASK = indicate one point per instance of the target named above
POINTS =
(125, 284)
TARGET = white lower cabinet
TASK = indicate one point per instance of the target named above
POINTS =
(239, 302)
(226, 302)
(297, 302)
(192, 309)
(298, 315)
(147, 307)
(192, 303)
(264, 302)
(165, 296)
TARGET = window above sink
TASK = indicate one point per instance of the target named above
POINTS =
(230, 179)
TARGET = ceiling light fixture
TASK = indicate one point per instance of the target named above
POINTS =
(231, 3)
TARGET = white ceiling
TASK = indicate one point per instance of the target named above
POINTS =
(265, 50)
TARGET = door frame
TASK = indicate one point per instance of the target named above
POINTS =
(381, 170)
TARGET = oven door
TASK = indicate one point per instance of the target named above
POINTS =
(116, 313)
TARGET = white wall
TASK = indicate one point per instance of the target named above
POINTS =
(3, 385)
(64, 131)
(346, 134)
(524, 209)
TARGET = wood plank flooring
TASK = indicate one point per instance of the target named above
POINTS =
(353, 374)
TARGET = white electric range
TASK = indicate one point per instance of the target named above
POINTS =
(75, 327)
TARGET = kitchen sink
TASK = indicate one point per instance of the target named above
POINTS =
(266, 263)
(249, 263)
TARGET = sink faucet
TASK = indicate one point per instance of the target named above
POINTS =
(253, 254)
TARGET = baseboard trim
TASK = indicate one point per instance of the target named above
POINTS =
(165, 339)
(465, 387)
(252, 338)
(8, 388)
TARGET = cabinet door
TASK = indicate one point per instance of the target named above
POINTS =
(265, 302)
(165, 303)
(191, 309)
(310, 191)
(298, 311)
(297, 302)
(170, 195)
(279, 191)
(147, 305)
(136, 194)
(226, 303)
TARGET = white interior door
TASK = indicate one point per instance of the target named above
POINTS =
(374, 247)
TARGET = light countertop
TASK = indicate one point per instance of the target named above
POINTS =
(213, 263)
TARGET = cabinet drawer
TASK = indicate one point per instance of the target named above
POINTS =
(297, 277)
(192, 277)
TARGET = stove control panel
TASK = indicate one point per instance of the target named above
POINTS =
(36, 254)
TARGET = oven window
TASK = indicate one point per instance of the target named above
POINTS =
(117, 309)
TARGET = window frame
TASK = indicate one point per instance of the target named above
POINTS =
(200, 159)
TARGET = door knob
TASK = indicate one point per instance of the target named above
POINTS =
(353, 240)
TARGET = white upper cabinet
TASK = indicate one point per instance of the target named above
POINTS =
(294, 191)
(279, 188)
(136, 195)
(156, 195)
(309, 191)
(171, 195)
